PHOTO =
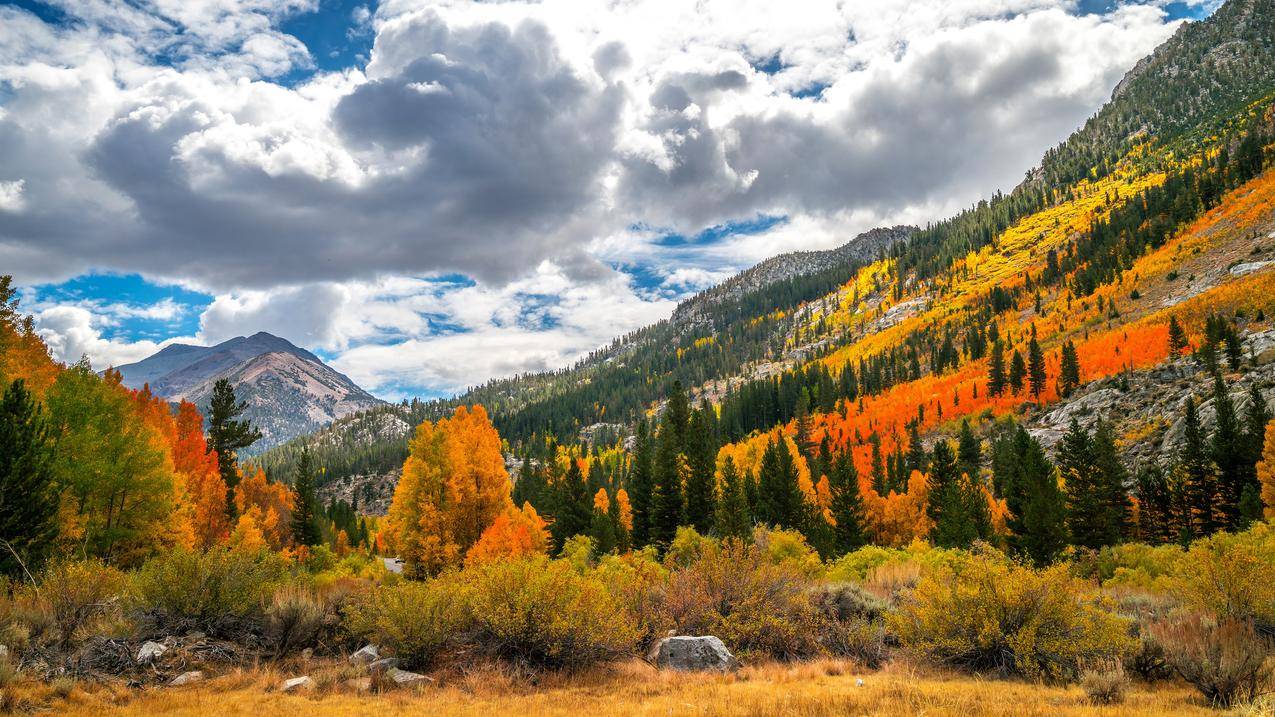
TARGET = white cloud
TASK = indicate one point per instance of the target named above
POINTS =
(73, 332)
(11, 195)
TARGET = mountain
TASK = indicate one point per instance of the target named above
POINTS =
(1162, 206)
(289, 391)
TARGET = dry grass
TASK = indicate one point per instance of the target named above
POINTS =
(812, 689)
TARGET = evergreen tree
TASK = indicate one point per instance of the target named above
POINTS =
(969, 453)
(1230, 455)
(1069, 371)
(669, 471)
(1037, 506)
(602, 524)
(573, 506)
(1089, 513)
(641, 483)
(28, 495)
(731, 518)
(1017, 372)
(879, 481)
(701, 459)
(779, 499)
(1177, 337)
(531, 486)
(1200, 483)
(942, 475)
(228, 434)
(965, 516)
(1157, 519)
(305, 521)
(996, 379)
(1256, 416)
(1113, 483)
(847, 505)
(1035, 366)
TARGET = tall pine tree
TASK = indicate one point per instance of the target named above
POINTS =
(228, 434)
(28, 495)
(779, 499)
(305, 518)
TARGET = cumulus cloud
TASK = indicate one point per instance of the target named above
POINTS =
(524, 144)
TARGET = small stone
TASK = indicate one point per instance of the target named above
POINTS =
(384, 664)
(297, 683)
(187, 678)
(365, 655)
(403, 678)
(149, 651)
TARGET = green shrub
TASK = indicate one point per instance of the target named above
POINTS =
(415, 620)
(987, 612)
(213, 591)
(755, 606)
(1226, 659)
(544, 612)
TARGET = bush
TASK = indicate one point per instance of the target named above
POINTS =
(634, 580)
(733, 591)
(1225, 659)
(987, 612)
(543, 612)
(213, 591)
(788, 547)
(416, 620)
(1105, 683)
(852, 624)
(1231, 576)
(75, 597)
(295, 617)
(843, 601)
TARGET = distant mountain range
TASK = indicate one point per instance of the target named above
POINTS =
(289, 391)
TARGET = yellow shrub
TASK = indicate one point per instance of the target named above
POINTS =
(987, 612)
(545, 612)
(1231, 575)
(212, 591)
(417, 620)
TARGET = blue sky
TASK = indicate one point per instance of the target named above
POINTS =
(431, 194)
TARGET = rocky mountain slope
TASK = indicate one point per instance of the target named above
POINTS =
(289, 391)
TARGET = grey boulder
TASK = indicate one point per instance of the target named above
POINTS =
(692, 654)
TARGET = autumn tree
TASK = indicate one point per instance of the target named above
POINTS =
(515, 533)
(454, 485)
(228, 434)
(197, 465)
(264, 508)
(602, 524)
(1266, 472)
(28, 495)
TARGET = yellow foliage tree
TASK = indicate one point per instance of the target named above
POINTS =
(454, 486)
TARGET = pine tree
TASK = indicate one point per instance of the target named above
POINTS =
(1037, 506)
(1157, 521)
(1035, 366)
(943, 472)
(641, 484)
(701, 459)
(1256, 416)
(847, 505)
(1017, 372)
(1069, 370)
(732, 515)
(669, 472)
(1085, 494)
(228, 434)
(969, 453)
(531, 486)
(1177, 337)
(28, 495)
(305, 520)
(996, 379)
(1113, 484)
(779, 499)
(879, 481)
(1200, 483)
(965, 516)
(573, 506)
(1229, 453)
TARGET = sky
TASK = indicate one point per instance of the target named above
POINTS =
(432, 194)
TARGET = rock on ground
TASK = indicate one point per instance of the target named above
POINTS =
(187, 678)
(150, 650)
(297, 683)
(687, 654)
(403, 678)
(365, 655)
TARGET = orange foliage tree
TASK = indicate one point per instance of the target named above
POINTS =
(515, 533)
(454, 486)
(1266, 472)
(265, 507)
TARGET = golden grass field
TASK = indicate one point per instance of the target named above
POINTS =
(801, 690)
